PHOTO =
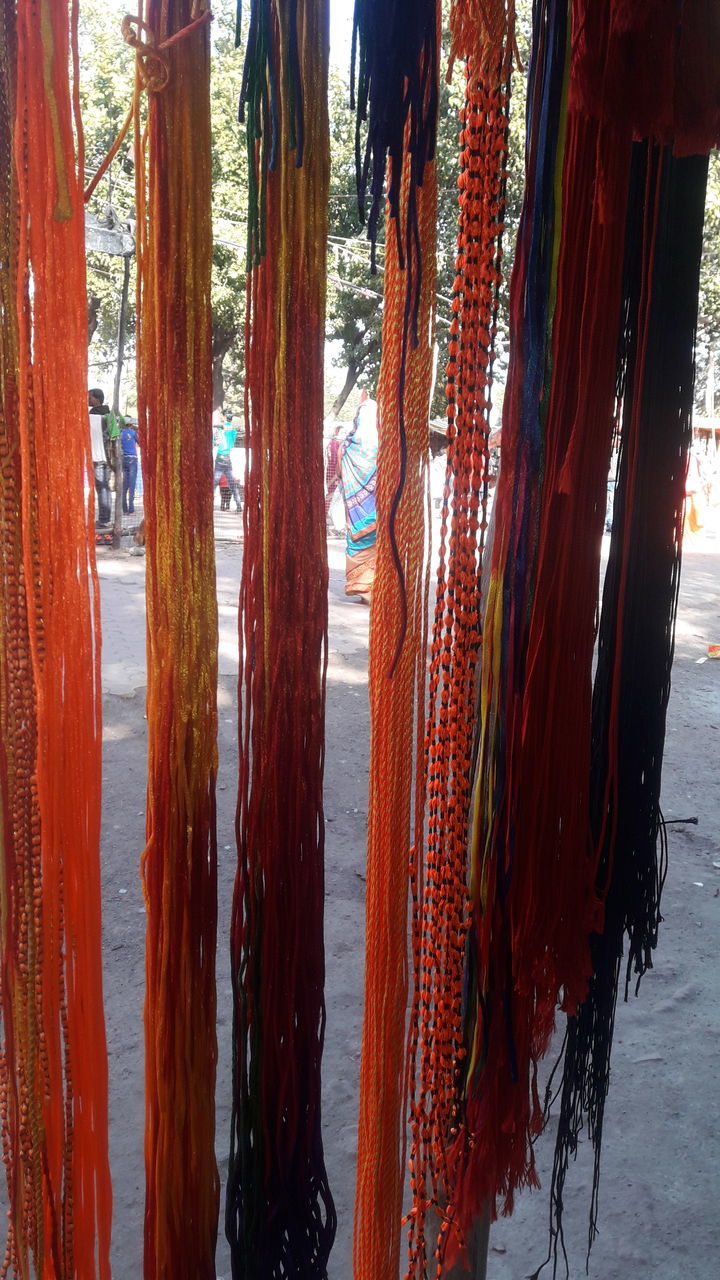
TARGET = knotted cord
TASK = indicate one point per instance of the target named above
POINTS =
(152, 70)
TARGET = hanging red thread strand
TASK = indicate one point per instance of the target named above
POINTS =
(54, 1061)
(396, 759)
(179, 865)
(280, 1217)
(532, 870)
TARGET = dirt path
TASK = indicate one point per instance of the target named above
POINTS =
(658, 1211)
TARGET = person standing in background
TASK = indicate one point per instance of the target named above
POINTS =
(129, 444)
(332, 468)
(223, 442)
(99, 413)
(694, 495)
(358, 469)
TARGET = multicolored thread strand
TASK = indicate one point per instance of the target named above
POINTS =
(485, 41)
(179, 864)
(535, 856)
(280, 1218)
(54, 1061)
(655, 377)
(531, 856)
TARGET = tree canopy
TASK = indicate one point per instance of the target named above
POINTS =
(354, 316)
(708, 333)
(107, 70)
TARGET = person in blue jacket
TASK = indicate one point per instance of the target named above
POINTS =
(129, 444)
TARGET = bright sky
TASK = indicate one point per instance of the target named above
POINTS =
(341, 20)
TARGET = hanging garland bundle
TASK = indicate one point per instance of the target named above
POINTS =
(399, 88)
(179, 863)
(655, 378)
(53, 1067)
(531, 860)
(635, 645)
(537, 841)
(484, 38)
(280, 1217)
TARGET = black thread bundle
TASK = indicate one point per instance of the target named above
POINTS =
(637, 626)
(394, 90)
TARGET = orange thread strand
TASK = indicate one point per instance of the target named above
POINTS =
(179, 864)
(53, 1076)
(395, 817)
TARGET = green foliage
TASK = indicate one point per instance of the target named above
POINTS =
(106, 86)
(106, 83)
(354, 296)
(354, 306)
(229, 205)
(354, 316)
(708, 333)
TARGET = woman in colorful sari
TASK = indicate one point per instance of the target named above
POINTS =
(358, 468)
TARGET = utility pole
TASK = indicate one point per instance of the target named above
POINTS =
(710, 388)
(115, 237)
(477, 1245)
(122, 329)
(477, 1249)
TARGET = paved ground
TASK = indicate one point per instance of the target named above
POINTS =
(658, 1211)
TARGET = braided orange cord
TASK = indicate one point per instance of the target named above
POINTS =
(397, 693)
(484, 37)
(19, 833)
(54, 1061)
(179, 862)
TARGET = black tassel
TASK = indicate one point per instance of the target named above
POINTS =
(394, 91)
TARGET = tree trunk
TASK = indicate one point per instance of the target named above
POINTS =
(355, 367)
(93, 305)
(349, 385)
(222, 342)
(218, 381)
